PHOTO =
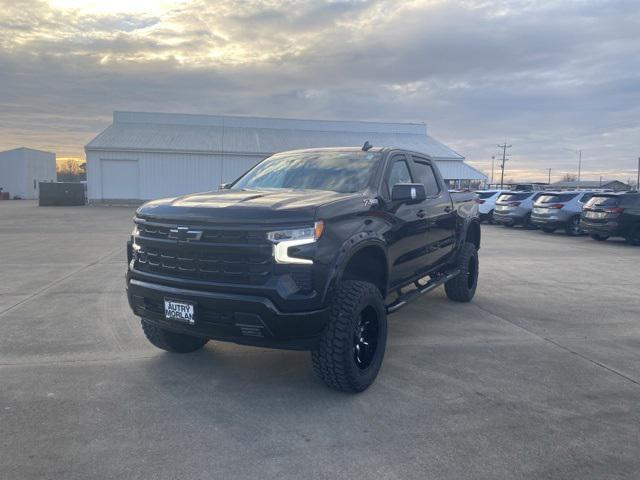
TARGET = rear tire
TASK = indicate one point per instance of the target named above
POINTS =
(509, 225)
(353, 342)
(526, 223)
(633, 237)
(171, 341)
(462, 288)
(573, 227)
(598, 236)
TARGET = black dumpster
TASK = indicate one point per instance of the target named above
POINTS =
(62, 194)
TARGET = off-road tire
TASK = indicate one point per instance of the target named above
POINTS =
(598, 236)
(333, 361)
(633, 237)
(548, 229)
(171, 341)
(462, 288)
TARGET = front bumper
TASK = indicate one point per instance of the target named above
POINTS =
(238, 318)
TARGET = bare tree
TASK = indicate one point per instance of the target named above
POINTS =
(569, 177)
(71, 170)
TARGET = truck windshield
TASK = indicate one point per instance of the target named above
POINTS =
(333, 170)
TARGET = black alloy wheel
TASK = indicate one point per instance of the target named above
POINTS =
(365, 338)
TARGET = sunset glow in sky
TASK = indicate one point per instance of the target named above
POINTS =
(547, 75)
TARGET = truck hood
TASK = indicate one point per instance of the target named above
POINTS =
(238, 206)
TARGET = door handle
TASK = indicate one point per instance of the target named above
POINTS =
(448, 209)
(421, 213)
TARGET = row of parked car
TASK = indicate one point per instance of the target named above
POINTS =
(596, 213)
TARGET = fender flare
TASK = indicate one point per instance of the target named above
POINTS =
(349, 248)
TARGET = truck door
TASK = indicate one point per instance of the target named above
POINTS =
(406, 237)
(438, 212)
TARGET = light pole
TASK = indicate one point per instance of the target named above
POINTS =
(549, 182)
(638, 181)
(579, 152)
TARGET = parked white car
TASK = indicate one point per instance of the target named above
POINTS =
(487, 203)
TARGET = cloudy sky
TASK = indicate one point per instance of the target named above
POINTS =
(547, 76)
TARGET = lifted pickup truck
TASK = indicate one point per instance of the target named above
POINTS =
(308, 250)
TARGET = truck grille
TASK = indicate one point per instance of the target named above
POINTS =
(226, 267)
(162, 232)
(224, 255)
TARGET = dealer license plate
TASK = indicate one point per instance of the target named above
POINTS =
(180, 311)
(595, 214)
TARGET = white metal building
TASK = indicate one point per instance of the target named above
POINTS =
(21, 169)
(152, 155)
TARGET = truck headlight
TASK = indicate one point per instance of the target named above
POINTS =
(284, 239)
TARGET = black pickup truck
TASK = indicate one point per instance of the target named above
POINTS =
(308, 250)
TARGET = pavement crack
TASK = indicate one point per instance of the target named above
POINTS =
(563, 347)
(57, 282)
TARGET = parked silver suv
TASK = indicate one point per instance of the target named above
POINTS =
(553, 210)
(513, 208)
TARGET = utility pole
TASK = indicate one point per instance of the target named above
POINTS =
(549, 182)
(504, 147)
(493, 159)
(638, 181)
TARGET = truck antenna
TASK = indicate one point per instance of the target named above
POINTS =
(367, 146)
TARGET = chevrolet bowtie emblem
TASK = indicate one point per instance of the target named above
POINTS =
(183, 234)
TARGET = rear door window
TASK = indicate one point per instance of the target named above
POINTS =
(427, 177)
(631, 200)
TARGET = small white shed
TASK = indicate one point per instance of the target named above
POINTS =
(21, 169)
(151, 155)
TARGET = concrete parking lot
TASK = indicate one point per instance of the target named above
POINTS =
(539, 377)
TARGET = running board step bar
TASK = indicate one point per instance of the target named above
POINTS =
(433, 283)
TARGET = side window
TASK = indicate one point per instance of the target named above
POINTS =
(426, 176)
(399, 173)
(586, 197)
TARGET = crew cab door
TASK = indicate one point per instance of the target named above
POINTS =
(437, 211)
(406, 238)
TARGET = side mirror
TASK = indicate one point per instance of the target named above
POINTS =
(408, 193)
(224, 186)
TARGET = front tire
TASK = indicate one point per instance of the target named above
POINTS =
(353, 343)
(548, 229)
(171, 341)
(573, 227)
(633, 237)
(599, 237)
(462, 288)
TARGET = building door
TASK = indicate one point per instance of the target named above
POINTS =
(120, 179)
